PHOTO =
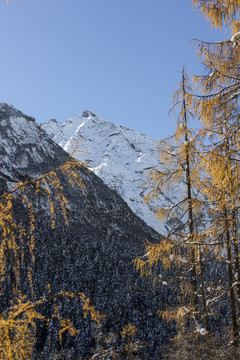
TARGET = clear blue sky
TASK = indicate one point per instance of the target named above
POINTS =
(121, 59)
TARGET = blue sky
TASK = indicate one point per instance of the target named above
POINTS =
(121, 59)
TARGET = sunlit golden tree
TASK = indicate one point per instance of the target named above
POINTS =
(181, 251)
(219, 12)
(218, 106)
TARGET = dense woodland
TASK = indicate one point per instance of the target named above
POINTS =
(200, 256)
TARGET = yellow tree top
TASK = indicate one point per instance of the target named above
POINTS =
(219, 12)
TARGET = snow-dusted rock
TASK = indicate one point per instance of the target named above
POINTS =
(120, 156)
(94, 254)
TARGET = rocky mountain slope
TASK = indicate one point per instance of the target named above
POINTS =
(94, 254)
(118, 155)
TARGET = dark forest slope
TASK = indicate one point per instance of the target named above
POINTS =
(93, 254)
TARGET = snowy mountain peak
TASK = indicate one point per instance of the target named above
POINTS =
(52, 121)
(23, 144)
(8, 110)
(93, 254)
(5, 106)
(118, 155)
(87, 114)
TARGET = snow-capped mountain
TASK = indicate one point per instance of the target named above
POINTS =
(24, 146)
(94, 254)
(118, 155)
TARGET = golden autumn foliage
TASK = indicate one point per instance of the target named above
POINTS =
(204, 225)
(181, 252)
(18, 327)
(218, 12)
(18, 322)
(132, 345)
(14, 236)
(217, 104)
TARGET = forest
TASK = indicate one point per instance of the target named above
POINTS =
(199, 259)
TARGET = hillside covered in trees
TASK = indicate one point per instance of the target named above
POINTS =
(83, 277)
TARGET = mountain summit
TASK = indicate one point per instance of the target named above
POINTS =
(94, 254)
(118, 155)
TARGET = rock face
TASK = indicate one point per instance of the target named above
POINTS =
(94, 254)
(119, 156)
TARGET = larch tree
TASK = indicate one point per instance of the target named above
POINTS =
(218, 107)
(221, 165)
(219, 12)
(181, 251)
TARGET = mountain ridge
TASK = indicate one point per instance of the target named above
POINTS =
(118, 155)
(93, 255)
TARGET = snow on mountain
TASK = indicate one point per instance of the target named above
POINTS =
(118, 155)
(23, 145)
(94, 254)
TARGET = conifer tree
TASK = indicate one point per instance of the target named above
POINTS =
(181, 252)
(218, 107)
(18, 321)
(222, 230)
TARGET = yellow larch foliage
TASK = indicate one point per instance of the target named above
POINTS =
(89, 309)
(17, 323)
(14, 237)
(131, 344)
(178, 256)
(161, 251)
(180, 314)
(217, 105)
(218, 12)
(128, 331)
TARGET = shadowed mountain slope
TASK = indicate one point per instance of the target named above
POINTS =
(93, 254)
